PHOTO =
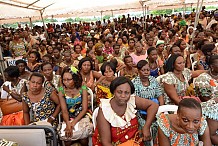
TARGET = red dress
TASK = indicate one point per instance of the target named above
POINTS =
(119, 134)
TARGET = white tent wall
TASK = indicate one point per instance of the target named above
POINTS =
(20, 10)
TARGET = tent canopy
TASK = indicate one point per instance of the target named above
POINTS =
(20, 9)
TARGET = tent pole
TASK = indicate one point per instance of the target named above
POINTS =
(43, 23)
(198, 9)
(31, 24)
(112, 13)
(2, 65)
(101, 15)
(143, 12)
(145, 17)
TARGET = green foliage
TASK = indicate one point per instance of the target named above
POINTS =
(77, 19)
(48, 20)
(54, 20)
(158, 12)
(14, 25)
(69, 20)
(106, 17)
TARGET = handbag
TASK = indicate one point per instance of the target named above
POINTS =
(10, 106)
(83, 129)
(132, 142)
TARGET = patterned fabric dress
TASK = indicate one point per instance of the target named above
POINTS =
(210, 110)
(103, 92)
(152, 92)
(55, 81)
(181, 87)
(41, 110)
(122, 128)
(18, 48)
(130, 76)
(206, 86)
(177, 139)
(74, 105)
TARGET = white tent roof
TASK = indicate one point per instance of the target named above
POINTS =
(20, 9)
(57, 7)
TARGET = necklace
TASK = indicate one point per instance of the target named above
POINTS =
(179, 76)
(85, 76)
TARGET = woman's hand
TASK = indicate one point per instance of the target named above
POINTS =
(69, 130)
(146, 134)
(50, 120)
(6, 88)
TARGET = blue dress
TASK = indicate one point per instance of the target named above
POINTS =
(152, 92)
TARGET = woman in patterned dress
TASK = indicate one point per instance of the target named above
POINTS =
(146, 86)
(51, 79)
(108, 69)
(128, 71)
(74, 104)
(40, 103)
(117, 120)
(206, 84)
(175, 81)
(184, 128)
(17, 46)
(210, 111)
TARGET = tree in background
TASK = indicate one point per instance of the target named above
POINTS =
(166, 11)
(106, 17)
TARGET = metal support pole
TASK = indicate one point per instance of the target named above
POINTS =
(197, 14)
(112, 13)
(41, 13)
(183, 9)
(143, 12)
(101, 16)
(145, 17)
(31, 24)
(2, 65)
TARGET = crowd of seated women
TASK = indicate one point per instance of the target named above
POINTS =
(129, 70)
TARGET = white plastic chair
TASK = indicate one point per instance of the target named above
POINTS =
(193, 65)
(166, 108)
(92, 97)
(94, 116)
(117, 74)
(192, 58)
